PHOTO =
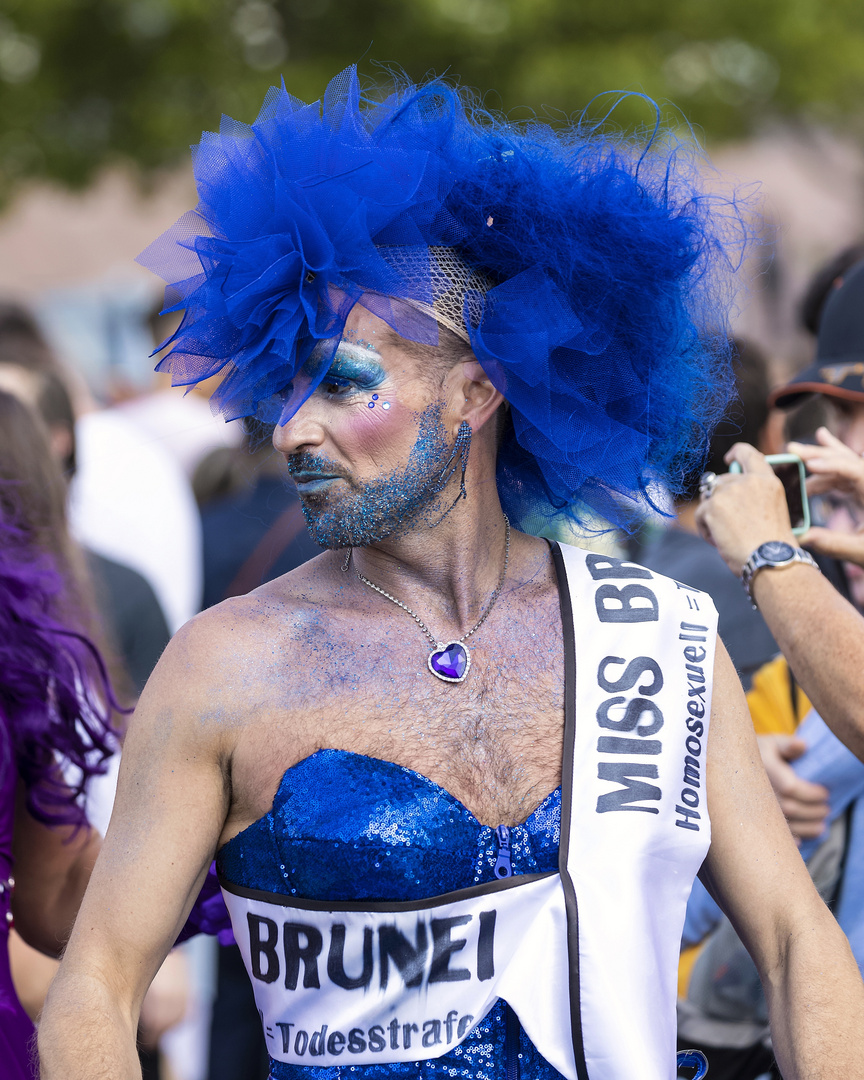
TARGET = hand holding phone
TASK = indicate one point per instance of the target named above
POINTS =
(748, 509)
(789, 469)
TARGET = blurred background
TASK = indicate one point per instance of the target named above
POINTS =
(101, 99)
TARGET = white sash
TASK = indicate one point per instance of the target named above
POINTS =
(634, 814)
(587, 957)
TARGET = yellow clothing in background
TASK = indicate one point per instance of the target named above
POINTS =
(770, 700)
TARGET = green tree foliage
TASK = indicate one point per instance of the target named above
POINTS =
(88, 82)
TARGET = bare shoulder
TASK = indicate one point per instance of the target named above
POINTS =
(224, 664)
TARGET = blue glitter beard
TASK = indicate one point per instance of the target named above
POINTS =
(380, 508)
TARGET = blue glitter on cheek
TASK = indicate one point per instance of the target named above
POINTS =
(371, 405)
(377, 508)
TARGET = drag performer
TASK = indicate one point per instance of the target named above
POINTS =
(459, 778)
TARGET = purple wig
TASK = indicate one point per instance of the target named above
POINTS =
(55, 696)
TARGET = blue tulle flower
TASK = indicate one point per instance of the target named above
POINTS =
(286, 238)
(607, 265)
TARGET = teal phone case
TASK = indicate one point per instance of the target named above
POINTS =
(789, 459)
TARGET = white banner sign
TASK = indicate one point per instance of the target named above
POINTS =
(406, 982)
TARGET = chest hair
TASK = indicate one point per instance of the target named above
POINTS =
(493, 741)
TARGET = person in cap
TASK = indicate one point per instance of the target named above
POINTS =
(834, 466)
(824, 281)
(837, 372)
(819, 632)
(836, 379)
(459, 777)
(819, 781)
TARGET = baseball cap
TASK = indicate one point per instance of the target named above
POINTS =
(838, 370)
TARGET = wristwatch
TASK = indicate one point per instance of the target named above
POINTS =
(774, 553)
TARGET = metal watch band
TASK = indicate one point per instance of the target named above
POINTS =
(764, 558)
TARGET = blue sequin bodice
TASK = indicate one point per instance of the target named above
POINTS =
(348, 827)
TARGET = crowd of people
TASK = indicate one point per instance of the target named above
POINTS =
(793, 647)
(451, 350)
(224, 510)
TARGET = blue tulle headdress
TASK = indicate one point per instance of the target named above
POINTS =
(588, 271)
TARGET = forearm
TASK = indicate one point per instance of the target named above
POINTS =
(48, 892)
(172, 800)
(85, 1034)
(812, 985)
(822, 637)
(816, 1006)
(819, 633)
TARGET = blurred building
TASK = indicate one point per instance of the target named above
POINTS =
(813, 205)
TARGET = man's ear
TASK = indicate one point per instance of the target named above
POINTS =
(476, 399)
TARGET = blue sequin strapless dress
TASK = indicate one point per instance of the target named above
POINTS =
(348, 827)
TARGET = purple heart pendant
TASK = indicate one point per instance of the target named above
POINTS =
(450, 662)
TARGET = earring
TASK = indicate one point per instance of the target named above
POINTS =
(461, 449)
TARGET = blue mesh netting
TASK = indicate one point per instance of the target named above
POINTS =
(610, 263)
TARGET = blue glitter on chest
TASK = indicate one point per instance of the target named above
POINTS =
(348, 827)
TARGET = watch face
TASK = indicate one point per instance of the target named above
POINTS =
(776, 551)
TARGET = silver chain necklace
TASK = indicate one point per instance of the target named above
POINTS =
(449, 661)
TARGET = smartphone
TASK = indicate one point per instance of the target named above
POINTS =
(789, 469)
